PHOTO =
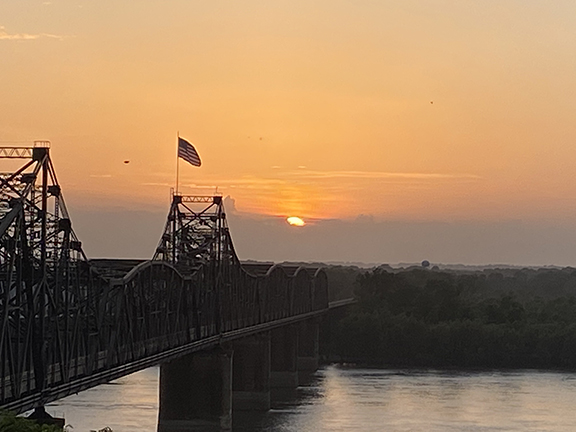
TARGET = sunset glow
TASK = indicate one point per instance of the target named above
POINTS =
(407, 111)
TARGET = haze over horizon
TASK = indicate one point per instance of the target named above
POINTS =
(399, 131)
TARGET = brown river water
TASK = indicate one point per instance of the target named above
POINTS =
(353, 399)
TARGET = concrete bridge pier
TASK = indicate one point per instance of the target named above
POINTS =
(251, 373)
(284, 356)
(308, 349)
(41, 417)
(196, 393)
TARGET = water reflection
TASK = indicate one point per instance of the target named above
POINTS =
(348, 399)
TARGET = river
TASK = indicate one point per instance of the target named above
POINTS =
(342, 399)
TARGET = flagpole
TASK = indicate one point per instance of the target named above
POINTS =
(177, 161)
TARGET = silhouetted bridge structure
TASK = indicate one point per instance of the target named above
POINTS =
(224, 333)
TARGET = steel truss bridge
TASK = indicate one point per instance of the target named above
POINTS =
(68, 323)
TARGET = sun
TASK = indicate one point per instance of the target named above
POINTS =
(295, 221)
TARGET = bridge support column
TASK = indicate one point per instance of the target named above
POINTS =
(284, 353)
(308, 348)
(196, 393)
(251, 372)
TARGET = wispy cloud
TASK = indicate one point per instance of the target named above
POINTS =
(4, 35)
(101, 175)
(379, 175)
(243, 182)
(336, 180)
(204, 186)
(157, 184)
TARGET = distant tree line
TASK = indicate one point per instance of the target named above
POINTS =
(493, 318)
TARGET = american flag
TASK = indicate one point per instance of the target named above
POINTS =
(187, 152)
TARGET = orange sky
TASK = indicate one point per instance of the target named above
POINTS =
(421, 110)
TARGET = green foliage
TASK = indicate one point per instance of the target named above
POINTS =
(485, 319)
(11, 423)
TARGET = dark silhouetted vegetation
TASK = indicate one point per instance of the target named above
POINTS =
(494, 318)
(11, 423)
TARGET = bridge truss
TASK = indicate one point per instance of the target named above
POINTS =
(68, 323)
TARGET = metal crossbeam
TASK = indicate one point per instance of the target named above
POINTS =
(16, 152)
(22, 152)
(199, 199)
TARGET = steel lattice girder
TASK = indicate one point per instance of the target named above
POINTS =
(64, 327)
(43, 275)
(195, 236)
